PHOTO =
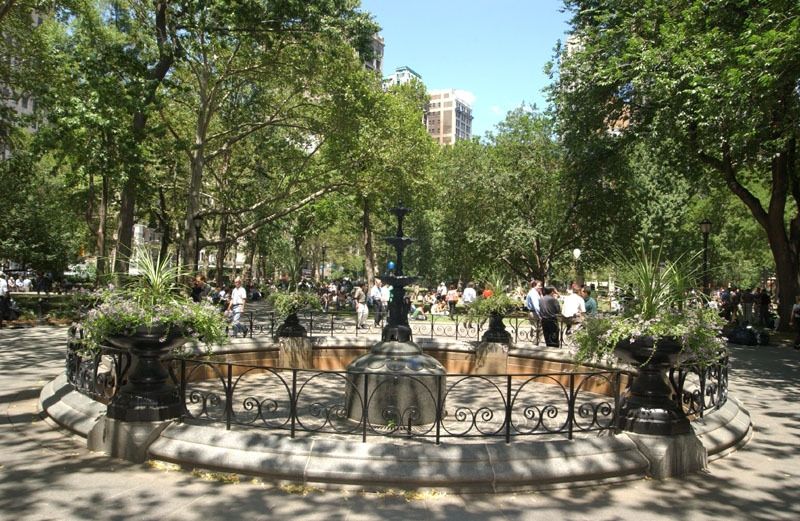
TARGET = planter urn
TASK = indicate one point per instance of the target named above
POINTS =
(649, 407)
(148, 394)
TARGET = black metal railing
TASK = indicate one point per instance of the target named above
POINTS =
(95, 374)
(342, 322)
(701, 389)
(467, 406)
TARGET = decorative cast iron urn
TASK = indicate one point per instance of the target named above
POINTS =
(291, 327)
(649, 407)
(497, 330)
(148, 395)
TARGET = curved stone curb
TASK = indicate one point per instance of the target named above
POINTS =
(724, 430)
(478, 467)
(69, 408)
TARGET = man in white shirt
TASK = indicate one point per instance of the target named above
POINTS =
(236, 306)
(3, 297)
(385, 297)
(573, 309)
(375, 300)
(469, 295)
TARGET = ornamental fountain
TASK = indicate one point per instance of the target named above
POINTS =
(399, 384)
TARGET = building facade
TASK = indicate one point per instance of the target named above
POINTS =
(400, 76)
(376, 62)
(449, 117)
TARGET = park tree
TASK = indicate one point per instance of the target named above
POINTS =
(516, 205)
(21, 50)
(257, 95)
(38, 229)
(386, 158)
(712, 87)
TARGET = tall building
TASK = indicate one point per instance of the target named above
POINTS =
(376, 63)
(400, 76)
(19, 104)
(449, 117)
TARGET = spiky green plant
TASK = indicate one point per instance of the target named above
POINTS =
(152, 299)
(661, 306)
(657, 284)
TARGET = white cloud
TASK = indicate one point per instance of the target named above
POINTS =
(466, 96)
(494, 109)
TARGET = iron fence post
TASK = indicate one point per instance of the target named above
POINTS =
(703, 375)
(183, 385)
(229, 398)
(439, 403)
(272, 324)
(364, 406)
(617, 390)
(516, 329)
(571, 411)
(293, 403)
(508, 408)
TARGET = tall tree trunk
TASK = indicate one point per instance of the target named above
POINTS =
(297, 252)
(222, 251)
(190, 246)
(102, 215)
(785, 248)
(251, 260)
(154, 77)
(369, 253)
(127, 207)
(166, 228)
(786, 270)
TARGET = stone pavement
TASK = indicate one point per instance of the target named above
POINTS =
(47, 474)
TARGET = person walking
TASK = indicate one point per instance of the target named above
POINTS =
(3, 297)
(468, 297)
(377, 303)
(452, 300)
(236, 306)
(360, 299)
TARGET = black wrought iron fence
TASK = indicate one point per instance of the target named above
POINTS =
(467, 406)
(342, 322)
(97, 375)
(701, 389)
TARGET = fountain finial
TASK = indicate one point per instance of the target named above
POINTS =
(397, 327)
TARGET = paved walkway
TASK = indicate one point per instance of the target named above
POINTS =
(46, 474)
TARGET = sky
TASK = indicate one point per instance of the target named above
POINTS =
(494, 49)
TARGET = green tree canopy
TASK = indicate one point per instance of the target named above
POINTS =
(710, 86)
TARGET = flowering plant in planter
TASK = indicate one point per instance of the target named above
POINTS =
(661, 305)
(286, 304)
(151, 302)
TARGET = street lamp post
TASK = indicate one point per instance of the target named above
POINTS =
(705, 229)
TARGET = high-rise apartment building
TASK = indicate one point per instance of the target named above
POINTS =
(449, 117)
(21, 104)
(400, 76)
